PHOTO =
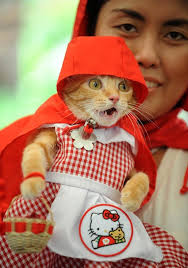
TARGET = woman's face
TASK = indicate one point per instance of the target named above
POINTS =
(157, 33)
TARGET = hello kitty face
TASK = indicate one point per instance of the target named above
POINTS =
(101, 224)
(105, 230)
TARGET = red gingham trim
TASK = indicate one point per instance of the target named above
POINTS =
(8, 227)
(38, 228)
(20, 227)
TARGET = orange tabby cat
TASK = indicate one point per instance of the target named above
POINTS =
(105, 99)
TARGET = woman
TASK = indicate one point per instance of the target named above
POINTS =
(157, 33)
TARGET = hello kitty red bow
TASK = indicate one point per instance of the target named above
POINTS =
(108, 215)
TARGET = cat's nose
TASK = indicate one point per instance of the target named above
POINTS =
(114, 99)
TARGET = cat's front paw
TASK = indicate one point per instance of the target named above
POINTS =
(32, 187)
(129, 201)
(134, 191)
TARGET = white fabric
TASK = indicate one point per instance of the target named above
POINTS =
(68, 208)
(77, 181)
(107, 135)
(168, 208)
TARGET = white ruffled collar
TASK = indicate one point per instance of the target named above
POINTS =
(107, 135)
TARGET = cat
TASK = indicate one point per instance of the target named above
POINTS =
(105, 99)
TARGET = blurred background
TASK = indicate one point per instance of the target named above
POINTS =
(33, 39)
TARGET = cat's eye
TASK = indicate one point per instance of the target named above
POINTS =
(123, 87)
(95, 84)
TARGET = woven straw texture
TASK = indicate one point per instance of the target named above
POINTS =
(28, 241)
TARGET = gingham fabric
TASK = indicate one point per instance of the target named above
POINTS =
(106, 163)
(174, 255)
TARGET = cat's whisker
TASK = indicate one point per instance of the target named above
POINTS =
(129, 117)
(70, 113)
(144, 114)
(140, 121)
(144, 131)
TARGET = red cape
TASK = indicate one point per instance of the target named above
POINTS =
(120, 63)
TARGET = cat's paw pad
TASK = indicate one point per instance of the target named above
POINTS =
(129, 201)
(32, 187)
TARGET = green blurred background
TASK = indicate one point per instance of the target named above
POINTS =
(34, 37)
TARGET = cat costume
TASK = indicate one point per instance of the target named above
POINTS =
(143, 160)
(90, 182)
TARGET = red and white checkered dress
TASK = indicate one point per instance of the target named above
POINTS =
(108, 164)
(104, 167)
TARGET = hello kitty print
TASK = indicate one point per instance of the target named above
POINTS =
(106, 230)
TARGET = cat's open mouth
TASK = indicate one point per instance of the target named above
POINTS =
(110, 112)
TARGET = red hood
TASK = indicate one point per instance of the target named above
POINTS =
(102, 55)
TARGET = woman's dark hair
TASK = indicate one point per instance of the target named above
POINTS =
(92, 9)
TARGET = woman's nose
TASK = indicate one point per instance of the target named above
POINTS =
(147, 53)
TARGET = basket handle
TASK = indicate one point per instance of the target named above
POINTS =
(42, 199)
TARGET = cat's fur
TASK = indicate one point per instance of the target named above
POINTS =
(84, 102)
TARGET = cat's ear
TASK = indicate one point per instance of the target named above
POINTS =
(72, 83)
(69, 84)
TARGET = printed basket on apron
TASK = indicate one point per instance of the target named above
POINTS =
(28, 235)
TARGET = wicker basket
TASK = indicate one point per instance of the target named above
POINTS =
(34, 237)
